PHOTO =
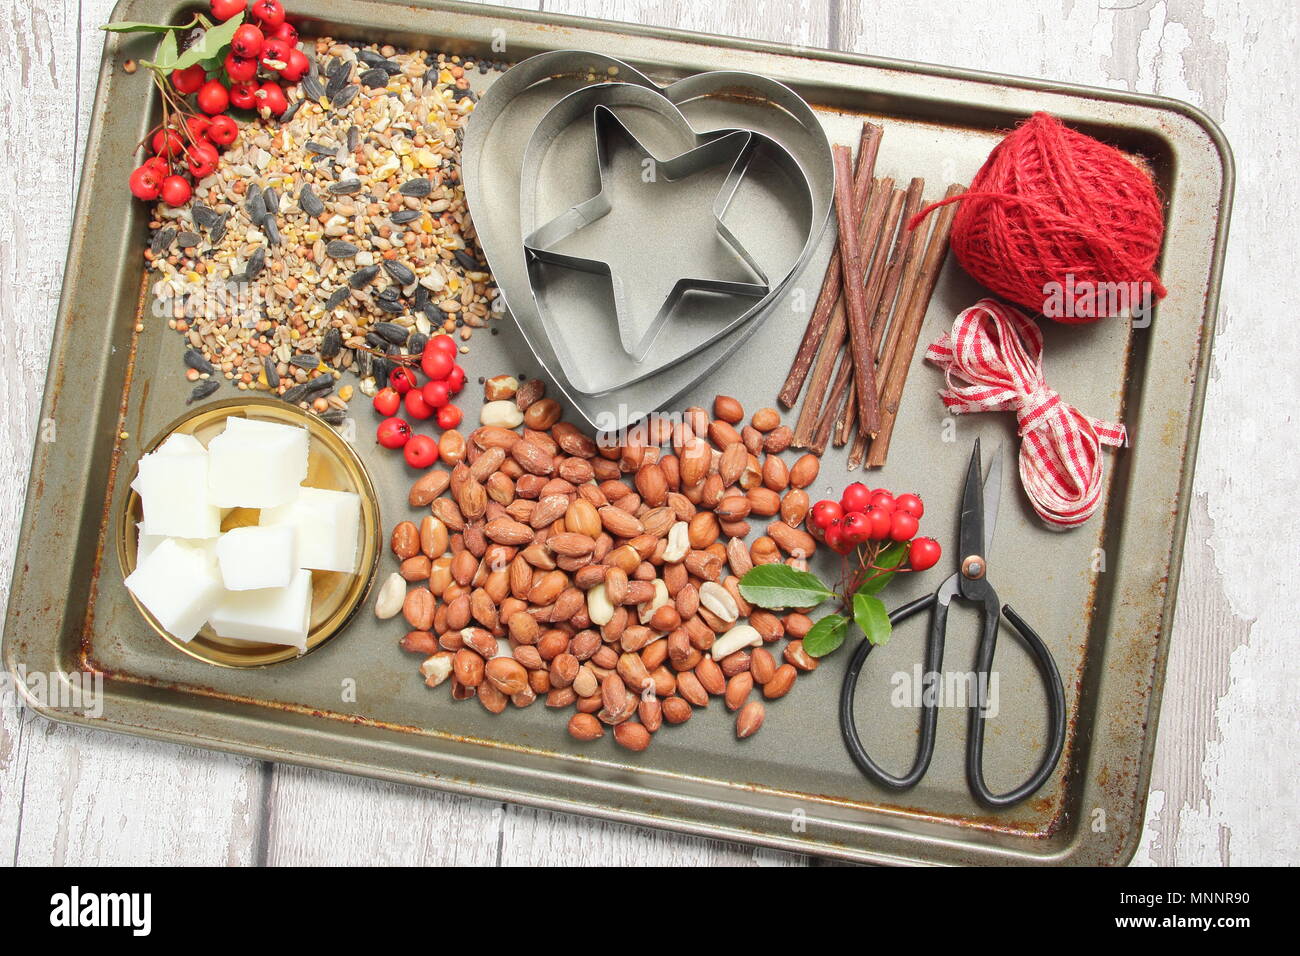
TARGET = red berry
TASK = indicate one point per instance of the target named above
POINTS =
(436, 394)
(296, 66)
(903, 526)
(836, 540)
(387, 402)
(275, 54)
(243, 95)
(911, 504)
(882, 499)
(145, 182)
(213, 97)
(448, 417)
(271, 97)
(168, 142)
(416, 406)
(923, 554)
(421, 451)
(402, 379)
(240, 69)
(201, 158)
(223, 10)
(269, 13)
(437, 363)
(285, 31)
(824, 512)
(456, 380)
(198, 127)
(161, 168)
(189, 80)
(855, 527)
(443, 342)
(247, 42)
(176, 190)
(881, 523)
(856, 497)
(223, 130)
(393, 433)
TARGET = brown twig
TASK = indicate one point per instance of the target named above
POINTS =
(851, 265)
(901, 361)
(868, 148)
(836, 330)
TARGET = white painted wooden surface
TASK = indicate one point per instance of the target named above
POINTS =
(1224, 788)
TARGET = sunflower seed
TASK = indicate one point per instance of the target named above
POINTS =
(196, 360)
(272, 231)
(292, 111)
(334, 84)
(272, 375)
(296, 394)
(467, 262)
(336, 298)
(401, 273)
(271, 200)
(309, 202)
(335, 416)
(218, 232)
(344, 96)
(371, 58)
(390, 294)
(363, 277)
(319, 149)
(256, 263)
(374, 79)
(330, 344)
(379, 368)
(341, 249)
(188, 240)
(309, 362)
(253, 204)
(338, 67)
(162, 240)
(391, 332)
(347, 187)
(403, 216)
(416, 187)
(203, 390)
(203, 216)
(416, 343)
(312, 87)
(354, 139)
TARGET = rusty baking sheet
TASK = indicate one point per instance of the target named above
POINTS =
(1101, 596)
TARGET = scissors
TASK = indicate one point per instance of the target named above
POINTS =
(979, 511)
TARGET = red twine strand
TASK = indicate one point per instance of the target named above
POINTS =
(1051, 203)
(993, 362)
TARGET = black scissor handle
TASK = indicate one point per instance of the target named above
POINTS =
(929, 712)
(1056, 713)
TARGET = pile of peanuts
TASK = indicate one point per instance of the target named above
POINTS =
(604, 578)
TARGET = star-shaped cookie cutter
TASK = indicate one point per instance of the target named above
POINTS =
(734, 149)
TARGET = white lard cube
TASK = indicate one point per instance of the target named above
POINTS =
(146, 544)
(173, 486)
(180, 586)
(257, 557)
(327, 524)
(267, 615)
(256, 464)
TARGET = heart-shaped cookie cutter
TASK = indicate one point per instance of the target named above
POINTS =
(738, 151)
(493, 160)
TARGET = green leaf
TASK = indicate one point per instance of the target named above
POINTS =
(211, 43)
(779, 586)
(826, 635)
(870, 614)
(891, 557)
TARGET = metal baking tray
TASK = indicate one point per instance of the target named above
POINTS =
(1102, 596)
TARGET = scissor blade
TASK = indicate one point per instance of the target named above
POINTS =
(992, 496)
(970, 534)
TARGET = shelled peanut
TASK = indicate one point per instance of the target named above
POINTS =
(606, 579)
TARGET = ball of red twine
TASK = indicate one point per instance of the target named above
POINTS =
(1055, 211)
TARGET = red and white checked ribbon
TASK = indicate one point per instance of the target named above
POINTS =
(993, 363)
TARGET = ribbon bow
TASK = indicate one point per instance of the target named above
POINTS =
(993, 363)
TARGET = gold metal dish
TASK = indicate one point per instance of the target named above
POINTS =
(333, 464)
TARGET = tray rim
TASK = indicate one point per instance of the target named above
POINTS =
(1115, 850)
